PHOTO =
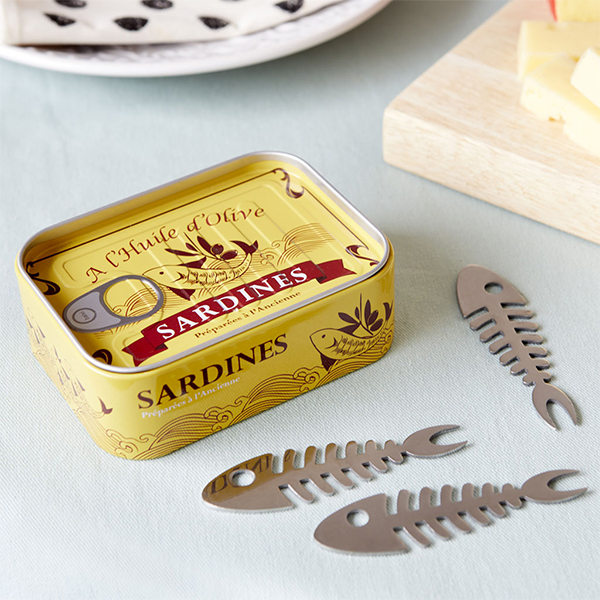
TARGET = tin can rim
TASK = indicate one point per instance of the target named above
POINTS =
(234, 163)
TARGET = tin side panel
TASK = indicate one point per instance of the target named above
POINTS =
(217, 256)
(149, 414)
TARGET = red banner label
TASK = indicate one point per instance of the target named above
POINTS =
(155, 336)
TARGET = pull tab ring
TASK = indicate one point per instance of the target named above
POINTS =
(89, 313)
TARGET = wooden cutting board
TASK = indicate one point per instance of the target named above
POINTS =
(461, 124)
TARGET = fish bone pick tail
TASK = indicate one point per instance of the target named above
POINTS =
(537, 488)
(420, 443)
(543, 393)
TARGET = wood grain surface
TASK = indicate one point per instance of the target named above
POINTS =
(460, 124)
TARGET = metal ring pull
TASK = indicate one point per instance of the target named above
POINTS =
(90, 313)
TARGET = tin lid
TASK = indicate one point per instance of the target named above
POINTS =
(161, 275)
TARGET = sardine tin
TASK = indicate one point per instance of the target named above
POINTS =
(172, 314)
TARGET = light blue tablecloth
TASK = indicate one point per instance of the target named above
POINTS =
(76, 523)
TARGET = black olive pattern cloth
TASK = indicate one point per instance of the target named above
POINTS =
(56, 22)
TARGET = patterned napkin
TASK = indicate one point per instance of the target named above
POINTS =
(54, 22)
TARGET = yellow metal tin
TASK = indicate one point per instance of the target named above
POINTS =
(173, 314)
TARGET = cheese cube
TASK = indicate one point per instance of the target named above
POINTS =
(575, 10)
(547, 92)
(540, 41)
(586, 77)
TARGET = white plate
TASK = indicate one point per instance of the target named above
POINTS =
(162, 60)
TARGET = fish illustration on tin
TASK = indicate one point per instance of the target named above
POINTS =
(339, 344)
(186, 278)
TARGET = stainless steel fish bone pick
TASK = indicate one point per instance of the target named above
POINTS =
(479, 289)
(378, 535)
(265, 491)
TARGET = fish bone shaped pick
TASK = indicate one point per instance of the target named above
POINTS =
(378, 535)
(265, 491)
(479, 289)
